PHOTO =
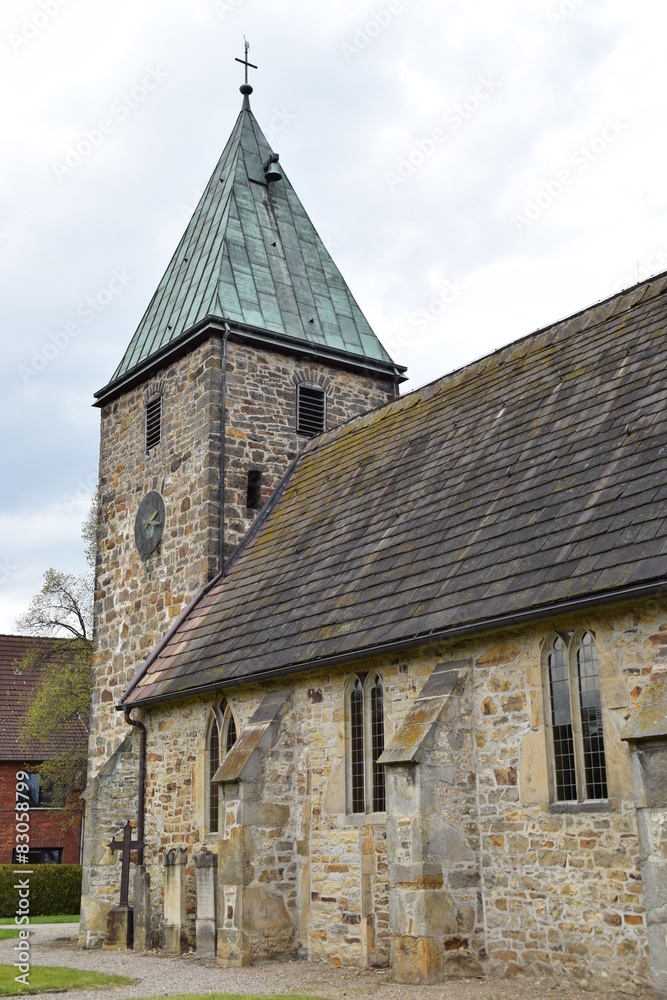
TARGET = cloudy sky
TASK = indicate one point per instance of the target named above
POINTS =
(478, 169)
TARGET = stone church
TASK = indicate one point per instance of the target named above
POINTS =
(378, 679)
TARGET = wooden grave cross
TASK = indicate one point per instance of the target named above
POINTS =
(126, 846)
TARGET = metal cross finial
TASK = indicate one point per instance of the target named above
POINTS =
(245, 62)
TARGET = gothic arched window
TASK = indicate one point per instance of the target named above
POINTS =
(575, 716)
(357, 748)
(366, 745)
(377, 745)
(222, 732)
(213, 759)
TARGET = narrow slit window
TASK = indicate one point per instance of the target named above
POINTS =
(213, 789)
(153, 423)
(561, 724)
(254, 493)
(377, 745)
(310, 410)
(357, 747)
(588, 679)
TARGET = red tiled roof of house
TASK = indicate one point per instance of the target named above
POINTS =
(15, 689)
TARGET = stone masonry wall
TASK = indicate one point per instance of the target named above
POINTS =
(111, 799)
(524, 884)
(261, 419)
(138, 597)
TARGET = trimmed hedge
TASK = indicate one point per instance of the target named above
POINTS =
(53, 889)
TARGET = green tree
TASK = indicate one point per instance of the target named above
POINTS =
(59, 704)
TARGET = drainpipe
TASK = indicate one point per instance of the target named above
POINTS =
(142, 779)
(394, 388)
(223, 405)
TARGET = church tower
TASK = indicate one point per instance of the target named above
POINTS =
(252, 340)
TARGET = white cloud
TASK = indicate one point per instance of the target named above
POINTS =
(451, 220)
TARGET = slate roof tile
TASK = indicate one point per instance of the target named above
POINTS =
(405, 521)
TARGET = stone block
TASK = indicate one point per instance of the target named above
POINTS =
(235, 857)
(174, 938)
(143, 940)
(416, 960)
(120, 929)
(534, 768)
(460, 964)
(206, 877)
(265, 814)
(264, 911)
(93, 922)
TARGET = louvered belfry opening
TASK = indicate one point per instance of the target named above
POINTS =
(310, 410)
(153, 422)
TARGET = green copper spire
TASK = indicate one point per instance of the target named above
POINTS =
(251, 256)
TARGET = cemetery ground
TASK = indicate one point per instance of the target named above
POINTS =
(151, 976)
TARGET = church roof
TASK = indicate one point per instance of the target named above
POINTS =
(250, 255)
(525, 484)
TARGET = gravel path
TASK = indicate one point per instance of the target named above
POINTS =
(55, 944)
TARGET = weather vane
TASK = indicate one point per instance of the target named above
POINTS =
(247, 64)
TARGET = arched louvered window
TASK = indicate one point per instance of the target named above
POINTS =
(213, 761)
(377, 745)
(357, 748)
(577, 739)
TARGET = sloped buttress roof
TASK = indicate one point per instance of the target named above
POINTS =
(251, 255)
(529, 479)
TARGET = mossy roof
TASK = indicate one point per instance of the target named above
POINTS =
(529, 480)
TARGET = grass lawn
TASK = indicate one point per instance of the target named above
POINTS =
(60, 918)
(50, 978)
(8, 932)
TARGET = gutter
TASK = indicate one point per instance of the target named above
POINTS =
(223, 434)
(142, 781)
(212, 325)
(617, 595)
